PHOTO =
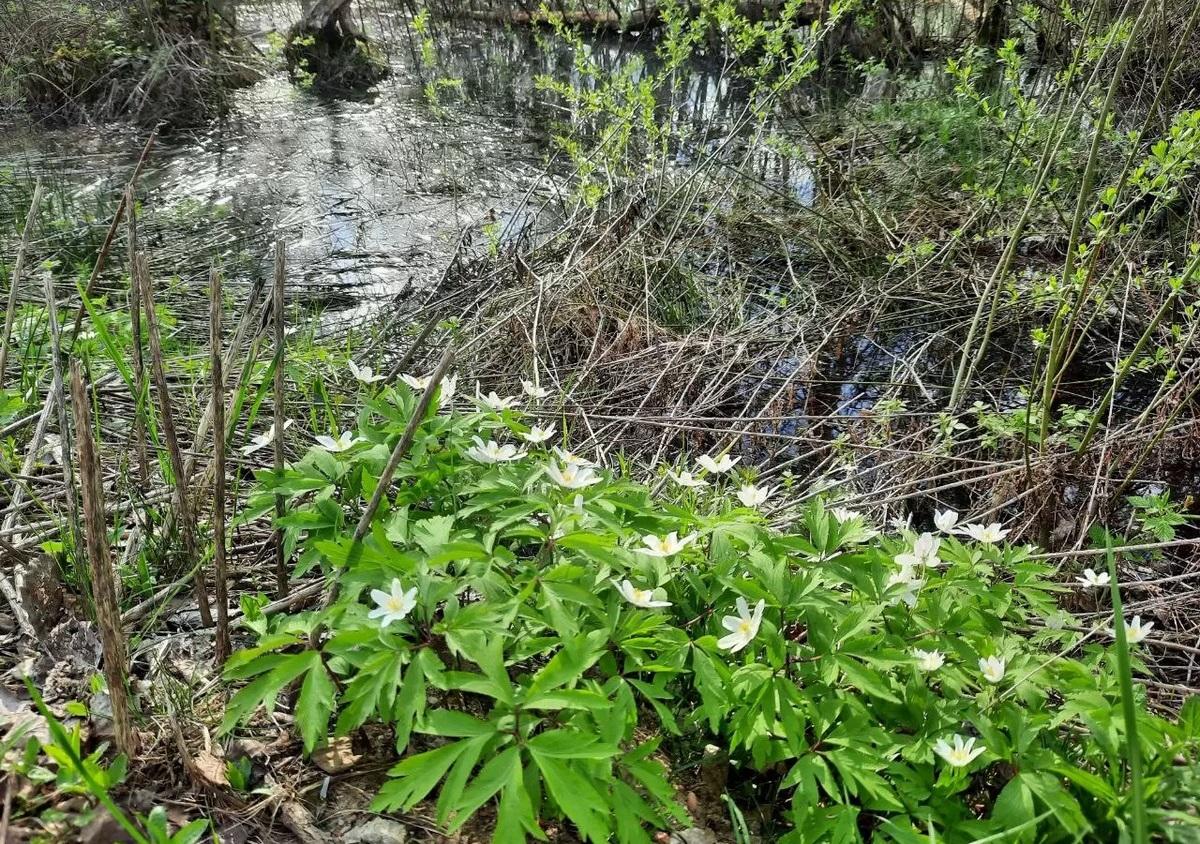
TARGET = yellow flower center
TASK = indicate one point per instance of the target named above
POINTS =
(745, 627)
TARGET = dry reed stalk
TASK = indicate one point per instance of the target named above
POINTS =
(167, 425)
(235, 344)
(58, 387)
(223, 646)
(104, 596)
(15, 280)
(139, 363)
(281, 573)
(102, 256)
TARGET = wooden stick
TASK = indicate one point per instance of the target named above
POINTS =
(139, 363)
(15, 280)
(223, 646)
(281, 572)
(103, 592)
(182, 505)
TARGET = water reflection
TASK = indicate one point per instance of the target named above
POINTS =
(371, 194)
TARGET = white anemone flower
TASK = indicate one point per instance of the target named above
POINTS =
(945, 520)
(342, 442)
(665, 546)
(1092, 579)
(924, 552)
(643, 598)
(365, 374)
(449, 386)
(929, 660)
(534, 391)
(906, 577)
(394, 605)
(988, 534)
(492, 401)
(687, 479)
(490, 452)
(753, 496)
(572, 459)
(261, 441)
(742, 627)
(1135, 630)
(420, 383)
(538, 434)
(959, 752)
(571, 476)
(718, 465)
(844, 514)
(992, 669)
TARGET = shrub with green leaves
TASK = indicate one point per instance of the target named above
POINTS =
(552, 638)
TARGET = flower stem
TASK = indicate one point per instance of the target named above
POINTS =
(1133, 749)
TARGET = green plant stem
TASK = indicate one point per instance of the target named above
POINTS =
(1139, 831)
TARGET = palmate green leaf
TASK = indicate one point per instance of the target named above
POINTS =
(432, 533)
(516, 821)
(711, 687)
(568, 665)
(866, 679)
(492, 777)
(1050, 793)
(266, 687)
(487, 652)
(569, 744)
(1013, 809)
(456, 780)
(415, 776)
(365, 692)
(367, 556)
(455, 724)
(315, 703)
(247, 663)
(574, 794)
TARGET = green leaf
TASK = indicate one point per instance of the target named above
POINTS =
(492, 777)
(568, 744)
(580, 802)
(449, 722)
(415, 776)
(315, 704)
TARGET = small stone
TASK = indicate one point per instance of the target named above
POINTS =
(100, 717)
(103, 829)
(378, 831)
(695, 835)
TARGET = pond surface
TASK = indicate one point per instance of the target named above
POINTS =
(371, 195)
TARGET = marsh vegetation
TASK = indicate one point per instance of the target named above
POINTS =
(660, 422)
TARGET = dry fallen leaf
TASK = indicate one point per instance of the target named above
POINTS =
(210, 769)
(336, 756)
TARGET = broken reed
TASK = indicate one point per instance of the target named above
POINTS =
(104, 595)
(183, 507)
